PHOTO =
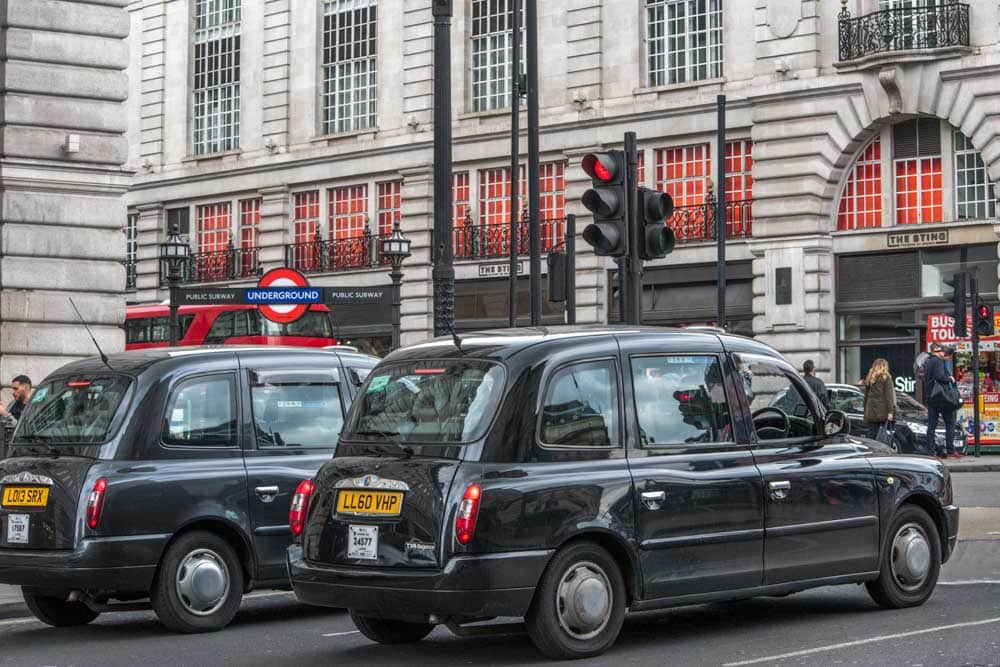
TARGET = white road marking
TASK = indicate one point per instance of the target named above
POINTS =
(269, 594)
(19, 621)
(970, 582)
(861, 642)
(342, 634)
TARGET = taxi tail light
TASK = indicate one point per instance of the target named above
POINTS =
(95, 503)
(468, 512)
(300, 506)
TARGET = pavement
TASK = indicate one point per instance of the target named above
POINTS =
(969, 463)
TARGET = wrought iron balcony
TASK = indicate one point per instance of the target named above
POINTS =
(695, 223)
(476, 241)
(321, 255)
(219, 266)
(920, 27)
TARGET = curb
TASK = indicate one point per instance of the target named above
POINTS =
(972, 467)
(13, 610)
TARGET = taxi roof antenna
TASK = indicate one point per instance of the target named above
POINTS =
(454, 337)
(104, 357)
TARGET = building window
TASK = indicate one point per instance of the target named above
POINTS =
(389, 212)
(684, 173)
(975, 198)
(306, 222)
(739, 170)
(131, 250)
(349, 65)
(213, 223)
(683, 40)
(250, 223)
(492, 53)
(216, 103)
(460, 198)
(494, 195)
(861, 200)
(348, 218)
(552, 203)
(917, 166)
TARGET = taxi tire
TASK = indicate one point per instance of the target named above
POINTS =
(542, 620)
(166, 603)
(885, 590)
(57, 612)
(388, 631)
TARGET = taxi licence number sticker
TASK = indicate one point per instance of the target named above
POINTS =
(362, 542)
(25, 496)
(17, 528)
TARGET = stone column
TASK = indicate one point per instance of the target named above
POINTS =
(417, 321)
(151, 231)
(61, 181)
(274, 226)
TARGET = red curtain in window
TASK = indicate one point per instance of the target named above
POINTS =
(347, 212)
(861, 198)
(213, 223)
(306, 216)
(918, 191)
(390, 200)
(460, 198)
(250, 223)
(739, 188)
(683, 173)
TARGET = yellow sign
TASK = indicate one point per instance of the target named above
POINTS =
(369, 503)
(25, 496)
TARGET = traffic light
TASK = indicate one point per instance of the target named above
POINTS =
(957, 284)
(984, 319)
(607, 200)
(655, 208)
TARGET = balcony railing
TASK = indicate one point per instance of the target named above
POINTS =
(219, 266)
(337, 254)
(925, 26)
(695, 223)
(474, 241)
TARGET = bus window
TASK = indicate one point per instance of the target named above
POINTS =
(222, 328)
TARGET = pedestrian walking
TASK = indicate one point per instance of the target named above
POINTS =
(880, 398)
(817, 385)
(936, 374)
(21, 388)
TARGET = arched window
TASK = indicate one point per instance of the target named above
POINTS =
(916, 172)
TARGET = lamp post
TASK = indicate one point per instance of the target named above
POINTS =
(174, 253)
(396, 248)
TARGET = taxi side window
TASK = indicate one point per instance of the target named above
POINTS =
(581, 406)
(201, 412)
(680, 400)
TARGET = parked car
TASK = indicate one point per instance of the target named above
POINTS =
(567, 475)
(911, 418)
(166, 475)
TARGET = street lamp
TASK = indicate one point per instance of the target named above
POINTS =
(395, 248)
(174, 254)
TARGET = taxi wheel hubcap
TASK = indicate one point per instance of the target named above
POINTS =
(911, 557)
(584, 600)
(202, 582)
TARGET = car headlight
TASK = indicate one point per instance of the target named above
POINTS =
(919, 429)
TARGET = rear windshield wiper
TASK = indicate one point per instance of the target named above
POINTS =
(391, 438)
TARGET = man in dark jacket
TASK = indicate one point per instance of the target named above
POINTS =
(936, 372)
(817, 385)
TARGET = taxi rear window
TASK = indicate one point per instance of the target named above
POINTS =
(72, 411)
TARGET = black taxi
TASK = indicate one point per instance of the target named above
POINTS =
(570, 475)
(163, 477)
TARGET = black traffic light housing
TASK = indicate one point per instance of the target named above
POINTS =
(607, 201)
(984, 319)
(657, 239)
(958, 311)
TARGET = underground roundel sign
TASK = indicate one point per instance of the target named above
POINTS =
(280, 293)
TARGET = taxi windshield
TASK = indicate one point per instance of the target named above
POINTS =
(443, 401)
(71, 411)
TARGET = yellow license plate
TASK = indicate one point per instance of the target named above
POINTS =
(371, 503)
(25, 496)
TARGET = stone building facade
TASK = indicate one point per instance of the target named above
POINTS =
(62, 179)
(863, 141)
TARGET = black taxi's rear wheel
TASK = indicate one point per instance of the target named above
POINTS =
(56, 611)
(911, 561)
(579, 606)
(386, 631)
(199, 584)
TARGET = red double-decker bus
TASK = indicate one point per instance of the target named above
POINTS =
(149, 326)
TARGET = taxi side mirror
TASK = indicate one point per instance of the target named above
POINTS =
(836, 423)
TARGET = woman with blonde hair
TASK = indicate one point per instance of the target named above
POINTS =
(880, 397)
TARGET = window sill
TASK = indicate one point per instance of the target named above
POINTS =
(211, 156)
(486, 115)
(368, 133)
(717, 82)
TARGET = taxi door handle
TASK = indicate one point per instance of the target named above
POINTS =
(653, 499)
(779, 490)
(267, 493)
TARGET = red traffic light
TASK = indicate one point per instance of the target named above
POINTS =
(984, 311)
(602, 166)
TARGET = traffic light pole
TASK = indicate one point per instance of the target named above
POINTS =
(720, 209)
(534, 197)
(571, 269)
(633, 264)
(974, 296)
(515, 151)
(443, 271)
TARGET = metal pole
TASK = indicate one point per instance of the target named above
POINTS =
(441, 252)
(173, 279)
(397, 279)
(633, 262)
(571, 269)
(534, 197)
(720, 207)
(622, 288)
(515, 149)
(974, 300)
